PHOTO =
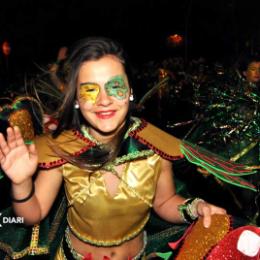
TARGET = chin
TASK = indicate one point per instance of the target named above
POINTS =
(106, 129)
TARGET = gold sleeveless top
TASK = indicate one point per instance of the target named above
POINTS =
(99, 218)
(94, 215)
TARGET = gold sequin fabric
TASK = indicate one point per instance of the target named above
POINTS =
(23, 120)
(201, 240)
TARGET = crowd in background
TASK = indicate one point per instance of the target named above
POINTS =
(209, 103)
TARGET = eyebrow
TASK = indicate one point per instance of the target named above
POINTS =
(88, 83)
(111, 79)
(115, 78)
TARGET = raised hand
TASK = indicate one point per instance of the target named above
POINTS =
(18, 160)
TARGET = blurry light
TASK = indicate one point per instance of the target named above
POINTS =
(162, 73)
(175, 40)
(6, 48)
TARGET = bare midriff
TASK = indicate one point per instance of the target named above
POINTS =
(127, 250)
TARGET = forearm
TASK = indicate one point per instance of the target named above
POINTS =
(25, 202)
(168, 210)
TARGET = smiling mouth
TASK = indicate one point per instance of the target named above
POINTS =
(105, 114)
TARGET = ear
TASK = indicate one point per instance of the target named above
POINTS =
(244, 73)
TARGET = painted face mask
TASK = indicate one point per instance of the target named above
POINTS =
(115, 87)
(89, 92)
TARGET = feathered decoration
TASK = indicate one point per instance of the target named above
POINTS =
(153, 90)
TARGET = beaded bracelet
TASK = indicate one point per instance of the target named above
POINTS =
(188, 210)
(26, 198)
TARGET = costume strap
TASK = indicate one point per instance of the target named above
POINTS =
(162, 143)
(71, 142)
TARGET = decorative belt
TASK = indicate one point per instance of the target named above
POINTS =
(70, 253)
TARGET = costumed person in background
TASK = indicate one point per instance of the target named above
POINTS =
(48, 88)
(248, 67)
(55, 67)
(229, 127)
(115, 168)
(57, 82)
(246, 148)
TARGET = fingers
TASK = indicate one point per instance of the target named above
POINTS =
(13, 139)
(3, 146)
(18, 136)
(206, 210)
(32, 150)
(206, 213)
(218, 210)
(2, 139)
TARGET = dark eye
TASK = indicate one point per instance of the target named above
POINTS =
(116, 86)
(90, 90)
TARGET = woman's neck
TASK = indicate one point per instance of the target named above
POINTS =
(102, 137)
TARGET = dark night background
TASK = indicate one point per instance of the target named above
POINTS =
(220, 31)
(216, 30)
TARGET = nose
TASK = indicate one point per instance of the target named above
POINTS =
(104, 99)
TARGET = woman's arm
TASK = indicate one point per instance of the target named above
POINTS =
(47, 185)
(167, 201)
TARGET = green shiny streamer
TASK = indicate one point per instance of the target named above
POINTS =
(213, 170)
(202, 163)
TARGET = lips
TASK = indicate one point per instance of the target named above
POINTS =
(105, 114)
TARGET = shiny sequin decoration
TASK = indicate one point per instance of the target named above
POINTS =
(23, 120)
(201, 240)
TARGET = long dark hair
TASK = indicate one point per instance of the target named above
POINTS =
(88, 49)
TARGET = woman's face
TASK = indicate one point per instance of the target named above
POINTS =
(252, 73)
(103, 95)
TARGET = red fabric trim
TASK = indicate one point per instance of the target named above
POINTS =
(82, 137)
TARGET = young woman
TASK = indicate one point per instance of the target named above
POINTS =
(115, 167)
